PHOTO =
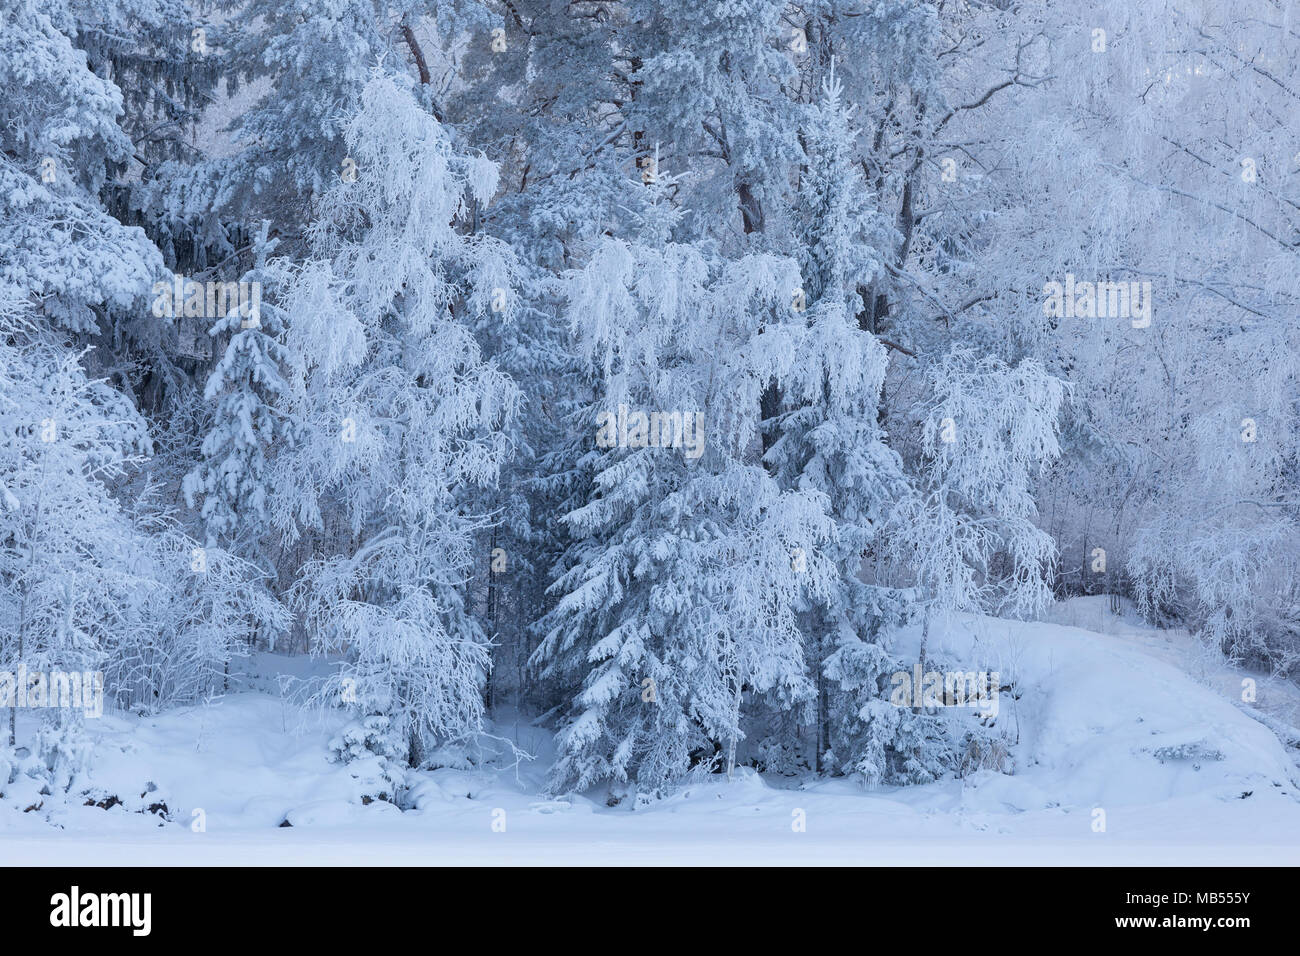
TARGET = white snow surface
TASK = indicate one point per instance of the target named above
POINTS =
(1093, 709)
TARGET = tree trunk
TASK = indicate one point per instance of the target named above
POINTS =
(917, 696)
(22, 643)
(823, 710)
(491, 611)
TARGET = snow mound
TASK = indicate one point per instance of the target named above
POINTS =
(1097, 721)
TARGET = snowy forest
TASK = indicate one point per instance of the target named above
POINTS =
(640, 395)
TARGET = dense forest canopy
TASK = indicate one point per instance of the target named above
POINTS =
(641, 366)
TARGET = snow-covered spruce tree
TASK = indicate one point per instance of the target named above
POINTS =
(679, 594)
(59, 139)
(826, 436)
(167, 58)
(886, 54)
(548, 104)
(249, 424)
(399, 419)
(545, 107)
(312, 62)
(308, 63)
(64, 157)
(86, 586)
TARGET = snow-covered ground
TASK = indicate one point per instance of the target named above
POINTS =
(1111, 716)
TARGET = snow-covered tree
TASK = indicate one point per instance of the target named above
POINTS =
(249, 421)
(986, 432)
(827, 437)
(679, 594)
(305, 65)
(399, 418)
(1179, 257)
(65, 546)
(59, 139)
(710, 89)
(197, 611)
(66, 438)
